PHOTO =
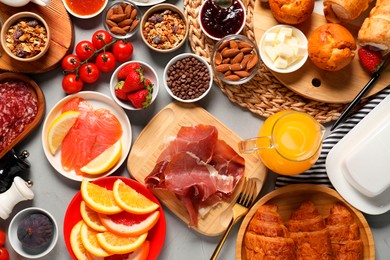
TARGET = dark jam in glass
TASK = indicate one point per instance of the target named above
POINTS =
(218, 21)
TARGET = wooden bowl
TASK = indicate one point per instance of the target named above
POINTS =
(37, 92)
(14, 19)
(288, 200)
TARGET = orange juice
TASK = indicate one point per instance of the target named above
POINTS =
(292, 142)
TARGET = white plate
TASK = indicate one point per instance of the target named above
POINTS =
(97, 100)
(337, 161)
(149, 3)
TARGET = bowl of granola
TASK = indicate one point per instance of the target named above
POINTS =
(164, 28)
(25, 36)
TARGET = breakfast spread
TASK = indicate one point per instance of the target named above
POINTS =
(305, 235)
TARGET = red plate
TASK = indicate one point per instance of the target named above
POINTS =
(156, 235)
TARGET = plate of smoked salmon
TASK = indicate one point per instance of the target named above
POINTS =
(94, 126)
(303, 219)
(191, 163)
(156, 235)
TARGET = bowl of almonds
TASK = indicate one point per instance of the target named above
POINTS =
(122, 19)
(235, 59)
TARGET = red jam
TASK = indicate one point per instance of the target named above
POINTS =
(85, 7)
(218, 21)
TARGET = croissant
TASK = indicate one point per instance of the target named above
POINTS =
(344, 234)
(375, 30)
(308, 230)
(336, 11)
(267, 237)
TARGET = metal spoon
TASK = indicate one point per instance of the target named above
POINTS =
(223, 3)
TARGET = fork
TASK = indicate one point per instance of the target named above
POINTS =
(244, 201)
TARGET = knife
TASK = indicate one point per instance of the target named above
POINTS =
(366, 88)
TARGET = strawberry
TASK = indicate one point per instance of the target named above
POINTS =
(371, 60)
(120, 94)
(148, 85)
(122, 73)
(135, 80)
(140, 98)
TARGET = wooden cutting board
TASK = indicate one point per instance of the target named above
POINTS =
(62, 37)
(289, 198)
(336, 87)
(155, 137)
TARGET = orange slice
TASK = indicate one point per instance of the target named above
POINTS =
(129, 224)
(120, 244)
(132, 201)
(75, 242)
(99, 198)
(90, 242)
(91, 218)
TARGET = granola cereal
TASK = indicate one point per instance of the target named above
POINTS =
(26, 38)
(164, 30)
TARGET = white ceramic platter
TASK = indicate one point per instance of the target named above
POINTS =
(369, 127)
(148, 3)
(97, 100)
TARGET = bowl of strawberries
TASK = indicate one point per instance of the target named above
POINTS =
(134, 85)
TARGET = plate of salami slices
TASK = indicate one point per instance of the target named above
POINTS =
(22, 105)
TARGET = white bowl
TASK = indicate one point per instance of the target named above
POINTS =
(201, 11)
(149, 73)
(178, 58)
(17, 245)
(86, 16)
(302, 41)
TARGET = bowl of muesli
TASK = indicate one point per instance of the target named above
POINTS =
(164, 28)
(25, 36)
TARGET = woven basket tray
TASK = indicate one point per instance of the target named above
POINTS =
(264, 94)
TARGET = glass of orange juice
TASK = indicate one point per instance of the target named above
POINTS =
(288, 143)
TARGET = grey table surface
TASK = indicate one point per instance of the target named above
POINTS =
(53, 192)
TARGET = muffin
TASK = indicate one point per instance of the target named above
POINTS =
(291, 11)
(331, 47)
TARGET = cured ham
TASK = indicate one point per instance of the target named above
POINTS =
(198, 168)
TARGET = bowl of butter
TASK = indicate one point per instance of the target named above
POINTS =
(283, 48)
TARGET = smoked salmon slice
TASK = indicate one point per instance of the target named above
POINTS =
(93, 132)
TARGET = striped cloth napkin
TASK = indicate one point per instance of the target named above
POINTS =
(317, 173)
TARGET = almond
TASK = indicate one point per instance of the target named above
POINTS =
(218, 58)
(233, 77)
(125, 22)
(238, 58)
(222, 67)
(117, 30)
(242, 73)
(246, 50)
(235, 66)
(118, 17)
(128, 11)
(223, 45)
(245, 60)
(244, 45)
(229, 53)
(233, 44)
(134, 24)
(133, 13)
(252, 62)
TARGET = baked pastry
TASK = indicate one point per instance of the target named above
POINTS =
(291, 11)
(307, 228)
(344, 234)
(267, 237)
(337, 11)
(331, 47)
(375, 30)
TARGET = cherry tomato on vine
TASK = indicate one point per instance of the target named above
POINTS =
(89, 72)
(70, 62)
(72, 84)
(105, 61)
(84, 50)
(3, 237)
(101, 38)
(4, 255)
(122, 50)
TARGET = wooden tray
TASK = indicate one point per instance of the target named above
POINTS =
(37, 92)
(62, 37)
(289, 198)
(153, 139)
(336, 87)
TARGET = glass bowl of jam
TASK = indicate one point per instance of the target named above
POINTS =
(85, 9)
(235, 59)
(217, 21)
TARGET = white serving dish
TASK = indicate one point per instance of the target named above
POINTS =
(97, 100)
(357, 165)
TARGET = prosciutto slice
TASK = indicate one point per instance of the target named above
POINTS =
(198, 168)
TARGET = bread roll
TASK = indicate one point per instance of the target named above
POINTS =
(331, 47)
(307, 228)
(336, 11)
(291, 11)
(344, 234)
(267, 237)
(375, 30)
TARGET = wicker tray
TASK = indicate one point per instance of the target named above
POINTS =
(264, 95)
